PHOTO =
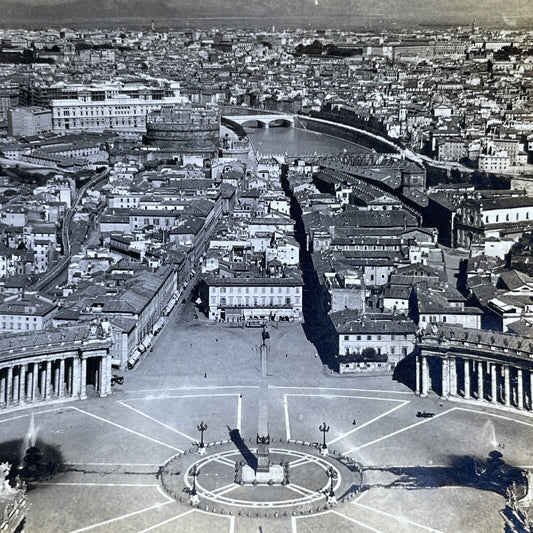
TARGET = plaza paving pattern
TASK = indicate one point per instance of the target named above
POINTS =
(417, 471)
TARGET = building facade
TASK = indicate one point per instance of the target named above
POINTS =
(28, 121)
(476, 365)
(118, 106)
(56, 365)
(233, 299)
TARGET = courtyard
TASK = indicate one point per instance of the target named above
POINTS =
(419, 473)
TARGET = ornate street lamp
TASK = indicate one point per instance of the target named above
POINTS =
(201, 427)
(330, 495)
(324, 428)
(193, 496)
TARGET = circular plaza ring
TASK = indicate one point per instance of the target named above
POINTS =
(220, 486)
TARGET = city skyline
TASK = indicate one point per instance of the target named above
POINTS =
(330, 13)
(183, 199)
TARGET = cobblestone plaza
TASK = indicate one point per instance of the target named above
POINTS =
(418, 473)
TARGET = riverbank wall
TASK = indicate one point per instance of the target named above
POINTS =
(348, 133)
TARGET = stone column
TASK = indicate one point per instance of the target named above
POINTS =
(29, 379)
(98, 380)
(3, 380)
(106, 374)
(48, 381)
(61, 384)
(418, 380)
(83, 379)
(520, 391)
(453, 376)
(43, 382)
(506, 386)
(22, 394)
(467, 378)
(35, 381)
(531, 390)
(16, 385)
(2, 388)
(480, 395)
(493, 384)
(76, 370)
(70, 378)
(445, 378)
(9, 395)
(425, 376)
(56, 381)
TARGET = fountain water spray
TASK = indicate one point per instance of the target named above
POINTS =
(489, 432)
(29, 439)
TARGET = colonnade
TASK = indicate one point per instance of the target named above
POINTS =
(494, 382)
(45, 379)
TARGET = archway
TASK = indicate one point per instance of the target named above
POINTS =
(253, 123)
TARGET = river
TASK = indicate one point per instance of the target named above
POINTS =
(298, 141)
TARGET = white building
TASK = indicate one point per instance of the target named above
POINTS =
(274, 298)
(116, 106)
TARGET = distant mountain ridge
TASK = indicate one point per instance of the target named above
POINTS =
(508, 11)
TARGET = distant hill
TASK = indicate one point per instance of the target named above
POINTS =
(54, 12)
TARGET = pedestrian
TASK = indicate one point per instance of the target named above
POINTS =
(286, 355)
(216, 340)
(205, 374)
(353, 423)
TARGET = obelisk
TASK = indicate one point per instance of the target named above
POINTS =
(263, 437)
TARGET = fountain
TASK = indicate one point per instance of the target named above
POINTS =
(31, 466)
(488, 433)
(29, 439)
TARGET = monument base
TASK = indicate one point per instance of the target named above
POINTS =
(324, 450)
(274, 476)
(331, 500)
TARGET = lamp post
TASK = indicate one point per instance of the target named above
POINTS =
(330, 495)
(324, 428)
(193, 496)
(202, 426)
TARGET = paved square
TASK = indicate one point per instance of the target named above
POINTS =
(112, 449)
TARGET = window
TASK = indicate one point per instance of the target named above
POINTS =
(369, 337)
(358, 337)
(346, 337)
(392, 350)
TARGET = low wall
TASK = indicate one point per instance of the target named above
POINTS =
(348, 133)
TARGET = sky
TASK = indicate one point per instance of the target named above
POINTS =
(507, 13)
